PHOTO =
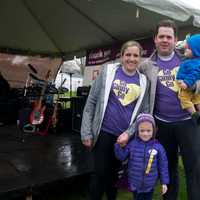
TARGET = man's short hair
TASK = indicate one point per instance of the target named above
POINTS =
(166, 23)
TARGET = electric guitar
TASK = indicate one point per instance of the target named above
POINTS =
(37, 115)
(54, 118)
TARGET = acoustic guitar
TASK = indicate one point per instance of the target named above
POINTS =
(37, 115)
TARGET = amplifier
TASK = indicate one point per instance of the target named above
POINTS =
(78, 104)
(83, 91)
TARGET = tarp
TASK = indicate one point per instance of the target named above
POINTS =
(70, 67)
(15, 69)
(70, 27)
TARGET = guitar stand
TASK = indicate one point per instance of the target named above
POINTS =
(29, 128)
(21, 133)
(26, 128)
(42, 133)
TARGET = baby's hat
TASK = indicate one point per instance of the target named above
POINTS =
(145, 117)
(193, 43)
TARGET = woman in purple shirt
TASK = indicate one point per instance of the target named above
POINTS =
(116, 97)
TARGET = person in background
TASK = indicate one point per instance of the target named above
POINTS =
(116, 97)
(147, 160)
(177, 132)
(188, 74)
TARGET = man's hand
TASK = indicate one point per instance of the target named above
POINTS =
(182, 84)
(122, 140)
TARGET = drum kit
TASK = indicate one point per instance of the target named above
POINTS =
(34, 85)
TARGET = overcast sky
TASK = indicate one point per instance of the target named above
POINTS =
(195, 3)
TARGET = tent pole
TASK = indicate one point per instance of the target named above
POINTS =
(70, 82)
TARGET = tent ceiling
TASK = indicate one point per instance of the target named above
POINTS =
(69, 27)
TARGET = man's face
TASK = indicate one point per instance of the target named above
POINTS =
(165, 41)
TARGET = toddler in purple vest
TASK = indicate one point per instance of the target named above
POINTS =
(147, 159)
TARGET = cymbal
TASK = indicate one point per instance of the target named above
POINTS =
(62, 90)
(52, 90)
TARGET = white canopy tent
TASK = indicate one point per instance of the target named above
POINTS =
(70, 27)
(180, 10)
(70, 67)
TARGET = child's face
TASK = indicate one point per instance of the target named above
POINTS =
(145, 131)
(188, 51)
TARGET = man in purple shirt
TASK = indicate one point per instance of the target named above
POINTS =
(176, 130)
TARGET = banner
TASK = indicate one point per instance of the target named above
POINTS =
(99, 56)
(102, 55)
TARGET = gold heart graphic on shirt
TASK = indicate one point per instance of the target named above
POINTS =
(126, 94)
(168, 78)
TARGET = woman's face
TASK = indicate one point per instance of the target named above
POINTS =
(130, 58)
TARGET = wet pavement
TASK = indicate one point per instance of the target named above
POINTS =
(30, 160)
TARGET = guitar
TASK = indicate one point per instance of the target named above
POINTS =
(54, 118)
(37, 115)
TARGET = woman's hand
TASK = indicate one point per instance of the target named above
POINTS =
(87, 143)
(122, 140)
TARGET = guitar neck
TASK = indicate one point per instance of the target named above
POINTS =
(42, 94)
(44, 88)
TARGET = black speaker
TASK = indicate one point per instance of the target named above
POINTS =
(78, 104)
(65, 120)
(83, 91)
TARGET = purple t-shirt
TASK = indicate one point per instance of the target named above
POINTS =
(123, 96)
(167, 104)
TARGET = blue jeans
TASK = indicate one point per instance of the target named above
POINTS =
(143, 196)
